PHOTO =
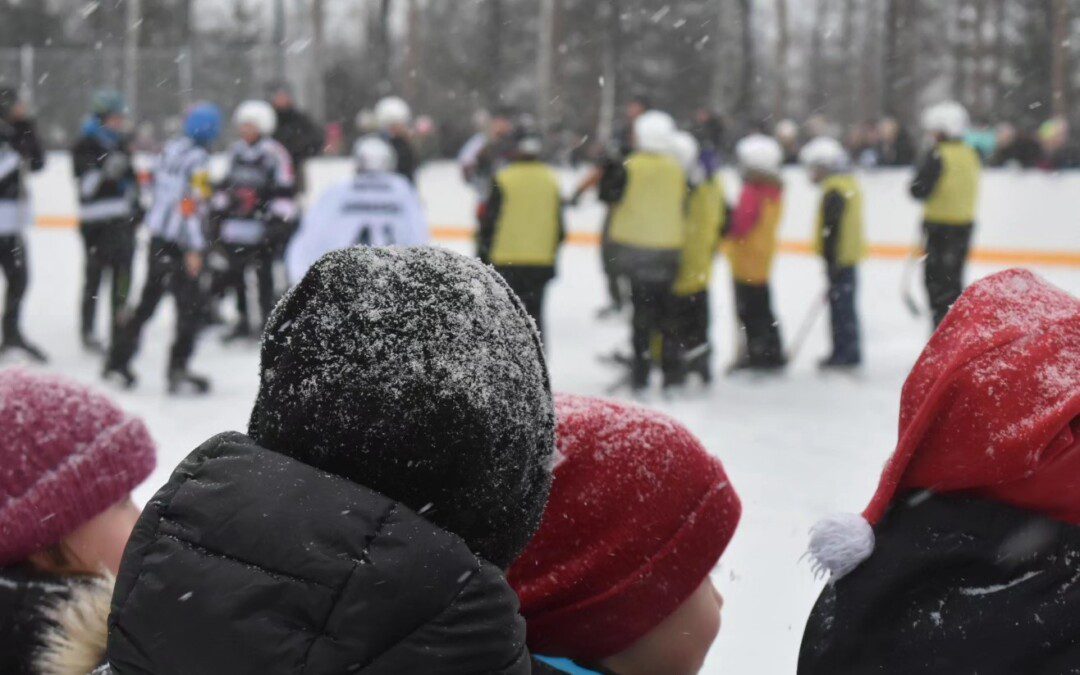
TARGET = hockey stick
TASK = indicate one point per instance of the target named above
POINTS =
(808, 323)
(911, 266)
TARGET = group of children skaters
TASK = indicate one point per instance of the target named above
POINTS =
(668, 216)
(418, 501)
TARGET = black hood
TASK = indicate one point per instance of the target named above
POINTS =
(248, 561)
(955, 585)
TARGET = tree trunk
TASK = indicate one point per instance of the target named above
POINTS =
(385, 57)
(414, 55)
(747, 105)
(900, 63)
(609, 89)
(870, 86)
(318, 60)
(815, 99)
(132, 23)
(978, 60)
(1001, 46)
(545, 59)
(1059, 75)
(783, 44)
(494, 56)
(851, 68)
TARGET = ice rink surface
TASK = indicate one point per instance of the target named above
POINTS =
(796, 447)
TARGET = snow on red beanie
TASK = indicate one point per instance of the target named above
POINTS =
(991, 408)
(67, 454)
(639, 514)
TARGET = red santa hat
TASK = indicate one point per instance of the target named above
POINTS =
(639, 514)
(991, 408)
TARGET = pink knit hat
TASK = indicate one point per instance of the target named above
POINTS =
(66, 455)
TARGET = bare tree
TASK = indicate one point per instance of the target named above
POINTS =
(783, 45)
(978, 59)
(1001, 46)
(610, 14)
(318, 65)
(494, 58)
(545, 60)
(816, 93)
(747, 100)
(1059, 73)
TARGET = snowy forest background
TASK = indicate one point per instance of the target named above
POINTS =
(569, 62)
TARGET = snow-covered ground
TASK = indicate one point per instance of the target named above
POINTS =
(796, 447)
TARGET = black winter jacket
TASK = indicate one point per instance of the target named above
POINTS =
(955, 585)
(248, 561)
(19, 145)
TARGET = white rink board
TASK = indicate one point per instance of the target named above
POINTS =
(1018, 210)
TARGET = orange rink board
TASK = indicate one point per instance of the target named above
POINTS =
(1018, 257)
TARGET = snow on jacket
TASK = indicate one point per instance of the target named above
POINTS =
(248, 561)
(369, 209)
(50, 625)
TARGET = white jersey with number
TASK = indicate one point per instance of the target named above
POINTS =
(369, 209)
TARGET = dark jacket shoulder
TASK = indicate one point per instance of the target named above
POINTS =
(955, 585)
(248, 561)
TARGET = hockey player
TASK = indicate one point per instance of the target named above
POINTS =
(255, 201)
(20, 151)
(606, 177)
(706, 216)
(753, 240)
(521, 226)
(393, 116)
(648, 232)
(376, 207)
(840, 240)
(948, 183)
(177, 224)
(108, 208)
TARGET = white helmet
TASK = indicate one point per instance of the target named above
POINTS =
(761, 153)
(372, 153)
(684, 147)
(786, 130)
(824, 152)
(259, 114)
(948, 118)
(654, 131)
(391, 111)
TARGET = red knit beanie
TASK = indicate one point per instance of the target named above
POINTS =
(991, 408)
(67, 454)
(639, 514)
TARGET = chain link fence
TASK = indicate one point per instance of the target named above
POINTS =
(59, 82)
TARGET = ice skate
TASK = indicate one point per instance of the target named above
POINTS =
(121, 375)
(182, 379)
(18, 345)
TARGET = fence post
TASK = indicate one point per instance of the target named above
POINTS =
(186, 76)
(26, 74)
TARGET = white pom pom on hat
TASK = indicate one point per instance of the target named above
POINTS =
(839, 543)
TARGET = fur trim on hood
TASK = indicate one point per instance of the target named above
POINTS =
(76, 643)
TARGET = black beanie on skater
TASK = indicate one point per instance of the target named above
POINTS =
(418, 374)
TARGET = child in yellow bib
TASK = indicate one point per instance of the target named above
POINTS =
(840, 240)
(947, 182)
(706, 214)
(521, 226)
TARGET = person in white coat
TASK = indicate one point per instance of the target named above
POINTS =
(375, 207)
